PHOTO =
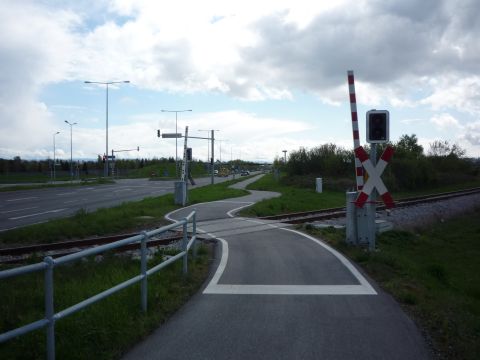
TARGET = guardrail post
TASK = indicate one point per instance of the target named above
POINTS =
(184, 245)
(194, 233)
(49, 308)
(143, 270)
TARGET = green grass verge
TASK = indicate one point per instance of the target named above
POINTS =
(106, 329)
(434, 274)
(297, 199)
(293, 199)
(130, 216)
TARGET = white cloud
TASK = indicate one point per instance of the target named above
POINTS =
(445, 122)
(472, 134)
(404, 54)
(454, 92)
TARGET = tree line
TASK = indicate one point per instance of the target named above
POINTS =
(410, 168)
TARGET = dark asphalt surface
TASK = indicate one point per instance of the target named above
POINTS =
(276, 294)
(26, 207)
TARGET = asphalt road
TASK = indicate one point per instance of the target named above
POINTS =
(26, 207)
(275, 293)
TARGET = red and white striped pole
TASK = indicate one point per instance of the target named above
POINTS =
(356, 134)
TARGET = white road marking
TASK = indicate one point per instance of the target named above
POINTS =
(27, 198)
(233, 211)
(169, 215)
(10, 211)
(122, 190)
(36, 214)
(233, 202)
(71, 201)
(68, 193)
(2, 230)
(289, 290)
(214, 288)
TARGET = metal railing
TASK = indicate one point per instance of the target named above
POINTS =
(49, 264)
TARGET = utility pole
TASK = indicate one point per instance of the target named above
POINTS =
(71, 148)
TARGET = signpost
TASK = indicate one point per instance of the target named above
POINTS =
(179, 135)
(361, 226)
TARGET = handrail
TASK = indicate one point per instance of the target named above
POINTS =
(49, 264)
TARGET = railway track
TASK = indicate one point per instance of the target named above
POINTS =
(22, 253)
(331, 213)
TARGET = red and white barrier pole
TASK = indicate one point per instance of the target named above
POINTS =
(356, 134)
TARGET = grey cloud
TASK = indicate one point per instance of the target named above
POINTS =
(385, 43)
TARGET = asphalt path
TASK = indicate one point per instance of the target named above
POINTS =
(275, 293)
(26, 207)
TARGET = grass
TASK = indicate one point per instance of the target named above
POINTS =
(109, 328)
(128, 217)
(297, 198)
(293, 199)
(434, 274)
(106, 329)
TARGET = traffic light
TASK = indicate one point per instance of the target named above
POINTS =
(378, 126)
(189, 154)
(158, 133)
(103, 158)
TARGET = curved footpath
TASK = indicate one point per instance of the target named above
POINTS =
(279, 294)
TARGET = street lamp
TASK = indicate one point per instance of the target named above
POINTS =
(106, 83)
(58, 132)
(212, 164)
(176, 132)
(71, 148)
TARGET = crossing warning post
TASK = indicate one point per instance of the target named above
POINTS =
(361, 205)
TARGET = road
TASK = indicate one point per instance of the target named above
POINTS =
(276, 293)
(27, 207)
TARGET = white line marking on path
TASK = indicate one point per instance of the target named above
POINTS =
(214, 288)
(2, 230)
(36, 214)
(67, 193)
(27, 198)
(10, 211)
(71, 201)
(232, 212)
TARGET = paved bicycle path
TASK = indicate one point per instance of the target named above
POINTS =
(279, 294)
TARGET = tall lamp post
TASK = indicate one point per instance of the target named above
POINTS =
(53, 171)
(106, 83)
(71, 148)
(212, 163)
(176, 139)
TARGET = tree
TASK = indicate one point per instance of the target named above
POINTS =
(408, 147)
(443, 148)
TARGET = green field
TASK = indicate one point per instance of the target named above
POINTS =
(434, 274)
(299, 198)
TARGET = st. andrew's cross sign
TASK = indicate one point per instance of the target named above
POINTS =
(374, 180)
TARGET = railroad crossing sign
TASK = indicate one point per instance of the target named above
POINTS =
(374, 180)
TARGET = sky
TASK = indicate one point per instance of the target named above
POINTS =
(268, 75)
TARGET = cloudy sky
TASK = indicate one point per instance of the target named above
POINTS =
(269, 75)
